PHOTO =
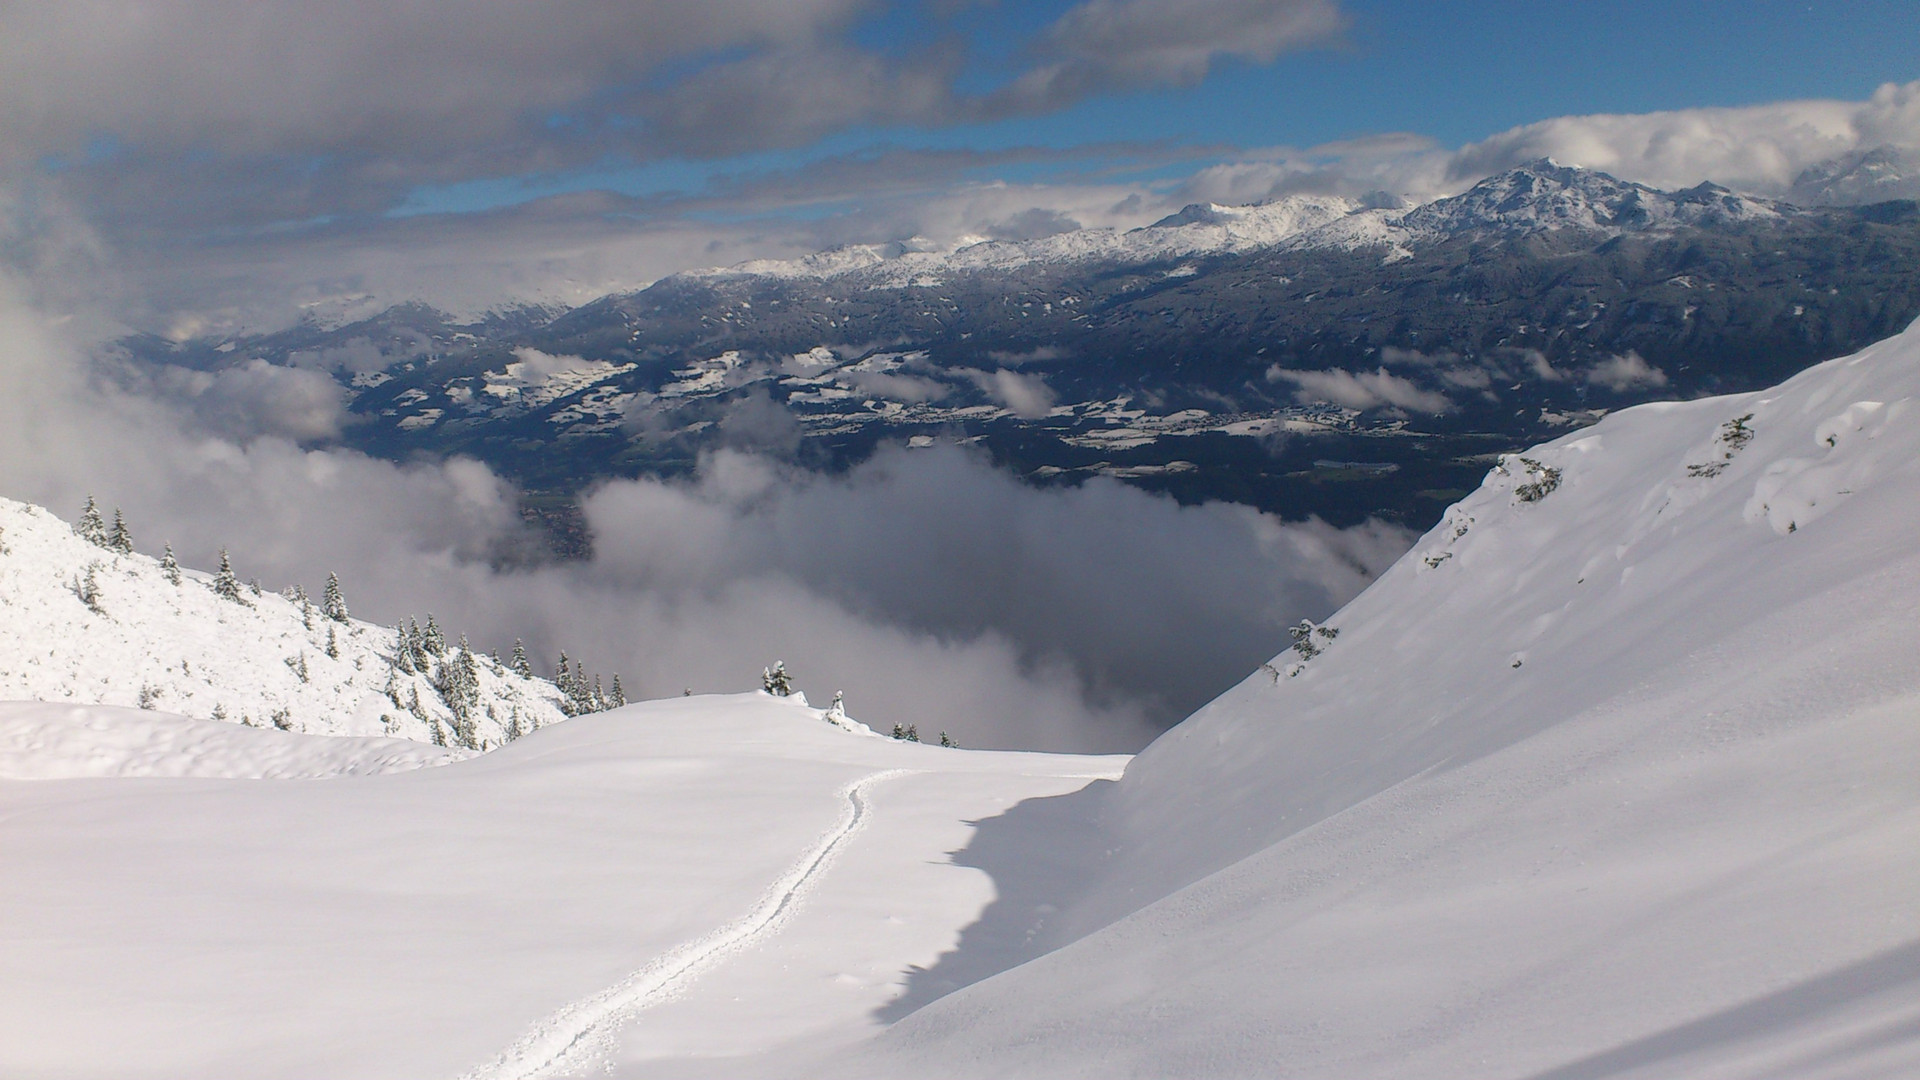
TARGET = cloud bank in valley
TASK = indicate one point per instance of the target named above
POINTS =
(929, 586)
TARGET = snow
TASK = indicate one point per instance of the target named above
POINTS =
(1613, 775)
(1617, 780)
(1539, 196)
(683, 877)
(184, 649)
(45, 741)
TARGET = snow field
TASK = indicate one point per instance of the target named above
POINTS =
(45, 741)
(1613, 775)
(419, 923)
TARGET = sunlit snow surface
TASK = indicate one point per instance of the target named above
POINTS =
(1623, 780)
(1616, 774)
(507, 915)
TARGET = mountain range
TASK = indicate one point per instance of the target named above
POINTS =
(1311, 356)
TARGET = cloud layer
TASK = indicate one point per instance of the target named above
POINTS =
(930, 587)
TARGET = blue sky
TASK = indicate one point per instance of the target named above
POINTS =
(1449, 71)
(235, 155)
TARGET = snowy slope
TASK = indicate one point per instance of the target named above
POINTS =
(1617, 773)
(673, 880)
(262, 661)
(46, 741)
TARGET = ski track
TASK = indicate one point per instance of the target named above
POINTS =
(584, 1034)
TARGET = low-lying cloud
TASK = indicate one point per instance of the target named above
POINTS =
(1363, 390)
(930, 586)
(1628, 371)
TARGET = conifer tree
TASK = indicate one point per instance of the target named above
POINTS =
(459, 687)
(946, 740)
(402, 650)
(333, 645)
(306, 607)
(170, 566)
(334, 606)
(521, 665)
(90, 527)
(219, 712)
(120, 539)
(583, 697)
(775, 680)
(618, 697)
(88, 589)
(563, 678)
(431, 639)
(225, 585)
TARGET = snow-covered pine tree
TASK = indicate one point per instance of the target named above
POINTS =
(88, 589)
(225, 585)
(459, 686)
(581, 697)
(521, 665)
(120, 539)
(946, 740)
(334, 606)
(170, 566)
(913, 733)
(775, 680)
(333, 645)
(618, 696)
(219, 712)
(306, 606)
(431, 638)
(90, 527)
(402, 651)
(599, 696)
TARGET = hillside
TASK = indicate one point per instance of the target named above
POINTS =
(155, 639)
(1612, 775)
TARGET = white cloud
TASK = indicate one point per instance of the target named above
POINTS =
(1758, 148)
(1025, 395)
(1109, 44)
(1361, 390)
(930, 586)
(1626, 372)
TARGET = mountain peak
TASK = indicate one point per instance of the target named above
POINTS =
(1543, 194)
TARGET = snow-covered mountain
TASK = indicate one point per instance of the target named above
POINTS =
(1538, 196)
(1867, 176)
(83, 622)
(1614, 774)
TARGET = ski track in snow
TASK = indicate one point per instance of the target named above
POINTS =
(580, 1036)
